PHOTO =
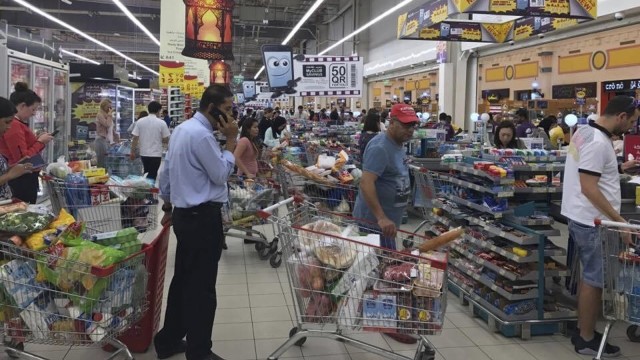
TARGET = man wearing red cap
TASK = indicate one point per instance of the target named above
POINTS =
(385, 186)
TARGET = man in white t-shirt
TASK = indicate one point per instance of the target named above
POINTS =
(591, 190)
(151, 133)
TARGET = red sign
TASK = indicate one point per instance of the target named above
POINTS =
(632, 146)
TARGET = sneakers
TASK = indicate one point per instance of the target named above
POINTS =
(166, 351)
(591, 347)
(576, 335)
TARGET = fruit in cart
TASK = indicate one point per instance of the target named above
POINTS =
(319, 307)
(310, 277)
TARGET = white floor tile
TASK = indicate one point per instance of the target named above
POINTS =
(374, 339)
(223, 332)
(319, 346)
(272, 329)
(481, 336)
(265, 347)
(232, 290)
(235, 349)
(265, 289)
(462, 320)
(507, 352)
(233, 316)
(233, 302)
(231, 279)
(262, 314)
(550, 350)
(450, 338)
(270, 277)
(463, 353)
(267, 300)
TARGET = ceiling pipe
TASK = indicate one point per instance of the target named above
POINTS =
(79, 12)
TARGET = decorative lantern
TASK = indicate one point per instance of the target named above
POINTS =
(209, 29)
(219, 72)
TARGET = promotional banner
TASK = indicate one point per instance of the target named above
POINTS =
(312, 75)
(85, 104)
(436, 20)
(191, 85)
(172, 40)
(171, 74)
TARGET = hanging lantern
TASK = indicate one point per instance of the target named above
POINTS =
(219, 72)
(209, 29)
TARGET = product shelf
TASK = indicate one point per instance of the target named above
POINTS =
(477, 207)
(529, 222)
(470, 170)
(532, 159)
(532, 256)
(547, 230)
(498, 192)
(539, 167)
(538, 190)
(532, 294)
(532, 275)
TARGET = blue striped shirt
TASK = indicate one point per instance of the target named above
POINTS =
(196, 169)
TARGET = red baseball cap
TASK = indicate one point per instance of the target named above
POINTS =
(404, 113)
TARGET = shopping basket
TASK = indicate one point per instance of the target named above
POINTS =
(246, 198)
(342, 282)
(106, 208)
(621, 292)
(49, 299)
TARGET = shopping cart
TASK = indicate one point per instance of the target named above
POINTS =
(49, 299)
(621, 292)
(106, 208)
(246, 198)
(342, 282)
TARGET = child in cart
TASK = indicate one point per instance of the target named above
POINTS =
(385, 185)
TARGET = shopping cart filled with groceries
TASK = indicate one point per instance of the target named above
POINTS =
(342, 281)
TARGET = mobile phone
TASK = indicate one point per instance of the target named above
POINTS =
(278, 62)
(216, 113)
(55, 132)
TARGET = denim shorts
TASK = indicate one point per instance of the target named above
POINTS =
(587, 241)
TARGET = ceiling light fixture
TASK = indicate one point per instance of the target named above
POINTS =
(126, 11)
(67, 2)
(295, 29)
(366, 26)
(79, 56)
(81, 33)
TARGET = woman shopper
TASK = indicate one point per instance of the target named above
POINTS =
(133, 124)
(105, 132)
(505, 136)
(369, 131)
(247, 151)
(8, 173)
(18, 142)
(273, 136)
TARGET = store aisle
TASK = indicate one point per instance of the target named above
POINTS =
(255, 315)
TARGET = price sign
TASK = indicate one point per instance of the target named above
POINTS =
(171, 73)
(191, 85)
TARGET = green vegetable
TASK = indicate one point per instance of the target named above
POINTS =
(24, 222)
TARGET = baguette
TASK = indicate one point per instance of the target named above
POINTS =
(441, 240)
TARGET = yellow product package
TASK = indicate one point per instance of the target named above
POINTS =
(64, 219)
(36, 241)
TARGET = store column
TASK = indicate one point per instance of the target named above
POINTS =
(447, 82)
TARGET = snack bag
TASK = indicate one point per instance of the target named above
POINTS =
(64, 219)
(37, 241)
(341, 160)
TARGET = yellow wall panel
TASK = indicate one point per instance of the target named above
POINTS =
(526, 70)
(495, 74)
(623, 57)
(377, 92)
(574, 63)
(425, 84)
(410, 86)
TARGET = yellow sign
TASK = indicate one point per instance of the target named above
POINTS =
(581, 94)
(500, 32)
(440, 14)
(463, 5)
(560, 7)
(171, 73)
(472, 34)
(86, 111)
(523, 32)
(429, 33)
(591, 6)
(412, 27)
(563, 23)
(502, 6)
(190, 84)
(139, 108)
(401, 20)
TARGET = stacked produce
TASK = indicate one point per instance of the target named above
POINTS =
(58, 283)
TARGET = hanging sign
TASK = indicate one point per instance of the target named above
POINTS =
(435, 20)
(191, 85)
(312, 75)
(581, 96)
(171, 73)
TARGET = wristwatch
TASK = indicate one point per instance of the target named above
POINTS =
(167, 208)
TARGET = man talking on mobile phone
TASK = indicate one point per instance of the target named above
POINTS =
(193, 185)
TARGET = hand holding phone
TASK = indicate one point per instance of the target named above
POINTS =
(55, 132)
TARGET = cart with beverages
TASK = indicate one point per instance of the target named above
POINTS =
(343, 282)
(621, 292)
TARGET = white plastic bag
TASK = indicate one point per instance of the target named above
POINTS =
(59, 169)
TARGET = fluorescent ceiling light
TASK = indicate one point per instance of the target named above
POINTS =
(136, 21)
(67, 2)
(366, 26)
(79, 56)
(81, 33)
(295, 29)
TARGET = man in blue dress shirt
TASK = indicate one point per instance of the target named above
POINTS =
(193, 186)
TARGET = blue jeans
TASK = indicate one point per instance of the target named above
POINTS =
(385, 242)
(587, 241)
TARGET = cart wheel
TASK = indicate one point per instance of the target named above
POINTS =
(633, 334)
(273, 245)
(428, 354)
(259, 246)
(299, 342)
(407, 243)
(276, 260)
(264, 253)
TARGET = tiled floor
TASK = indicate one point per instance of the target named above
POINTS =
(255, 316)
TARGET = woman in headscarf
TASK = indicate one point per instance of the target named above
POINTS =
(274, 137)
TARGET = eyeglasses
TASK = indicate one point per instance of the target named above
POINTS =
(409, 126)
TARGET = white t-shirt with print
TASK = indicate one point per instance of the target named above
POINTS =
(591, 152)
(150, 131)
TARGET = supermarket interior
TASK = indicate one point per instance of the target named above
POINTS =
(319, 179)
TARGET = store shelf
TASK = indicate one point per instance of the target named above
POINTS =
(538, 167)
(538, 190)
(470, 170)
(532, 294)
(532, 159)
(532, 256)
(485, 305)
(441, 219)
(545, 230)
(498, 192)
(477, 207)
(493, 267)
(528, 221)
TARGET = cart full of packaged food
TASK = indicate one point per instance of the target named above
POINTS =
(61, 285)
(240, 219)
(342, 281)
(126, 205)
(621, 292)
